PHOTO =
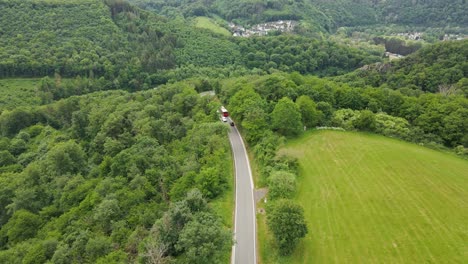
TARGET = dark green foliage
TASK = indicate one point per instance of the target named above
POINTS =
(411, 116)
(286, 220)
(6, 158)
(310, 115)
(286, 118)
(40, 251)
(11, 122)
(365, 121)
(76, 45)
(324, 14)
(191, 230)
(102, 190)
(435, 68)
(203, 239)
(303, 55)
(66, 157)
(21, 226)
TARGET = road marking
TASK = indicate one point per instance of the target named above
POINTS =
(233, 257)
(252, 196)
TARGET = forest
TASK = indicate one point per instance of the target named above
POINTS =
(108, 154)
(322, 14)
(112, 177)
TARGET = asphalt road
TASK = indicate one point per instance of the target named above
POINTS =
(244, 249)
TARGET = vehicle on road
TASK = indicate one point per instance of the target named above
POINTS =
(224, 111)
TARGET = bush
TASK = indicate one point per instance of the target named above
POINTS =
(282, 184)
(286, 220)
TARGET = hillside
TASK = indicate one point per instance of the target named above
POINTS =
(73, 37)
(372, 199)
(114, 45)
(113, 177)
(441, 67)
(108, 153)
(322, 14)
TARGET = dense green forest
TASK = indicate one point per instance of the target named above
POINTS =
(112, 177)
(442, 67)
(322, 14)
(108, 154)
(113, 45)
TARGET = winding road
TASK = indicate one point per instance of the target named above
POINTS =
(244, 249)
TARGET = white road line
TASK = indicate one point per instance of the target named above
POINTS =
(233, 257)
(253, 200)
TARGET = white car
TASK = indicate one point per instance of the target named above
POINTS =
(224, 118)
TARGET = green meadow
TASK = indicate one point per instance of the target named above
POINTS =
(18, 92)
(207, 23)
(372, 199)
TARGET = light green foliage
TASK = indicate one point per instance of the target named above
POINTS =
(115, 257)
(281, 184)
(286, 220)
(286, 118)
(345, 118)
(40, 251)
(392, 126)
(353, 119)
(368, 186)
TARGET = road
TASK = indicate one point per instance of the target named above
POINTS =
(244, 249)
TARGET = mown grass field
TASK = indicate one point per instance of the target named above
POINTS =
(205, 22)
(18, 92)
(371, 199)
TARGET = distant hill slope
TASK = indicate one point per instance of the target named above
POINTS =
(40, 37)
(126, 47)
(437, 13)
(434, 68)
(323, 14)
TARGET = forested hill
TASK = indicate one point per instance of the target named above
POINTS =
(112, 44)
(109, 178)
(436, 13)
(442, 67)
(322, 14)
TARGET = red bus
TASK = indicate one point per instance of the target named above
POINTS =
(224, 112)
